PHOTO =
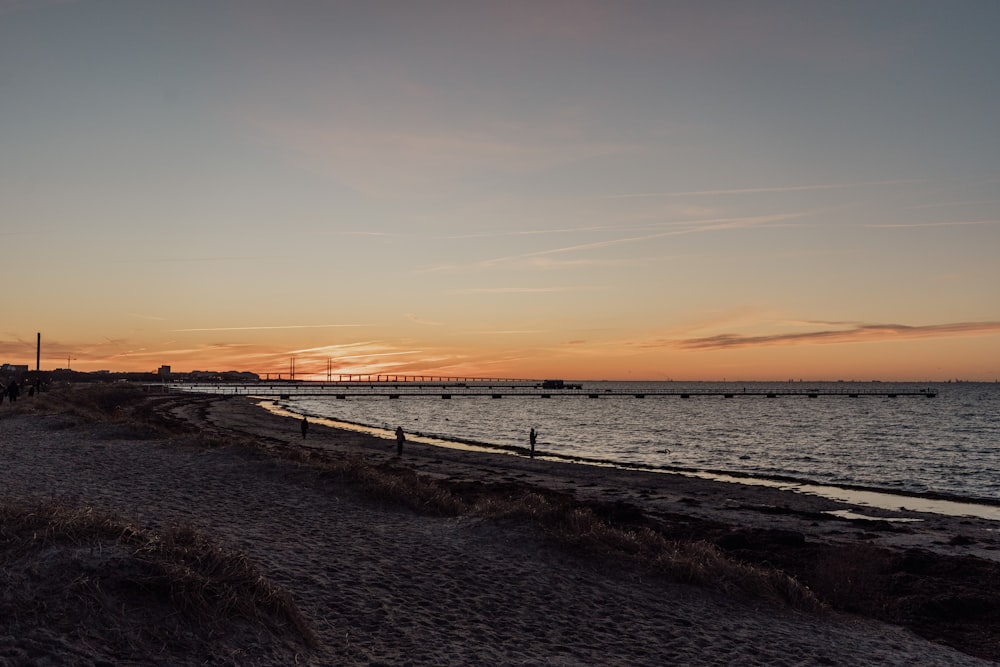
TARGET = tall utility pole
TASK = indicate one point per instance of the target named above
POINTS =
(38, 353)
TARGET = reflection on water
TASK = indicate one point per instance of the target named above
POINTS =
(848, 514)
(948, 445)
(877, 499)
(881, 500)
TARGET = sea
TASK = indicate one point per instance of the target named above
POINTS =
(836, 434)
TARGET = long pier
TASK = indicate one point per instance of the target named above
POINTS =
(504, 390)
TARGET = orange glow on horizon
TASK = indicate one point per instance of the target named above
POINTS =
(967, 357)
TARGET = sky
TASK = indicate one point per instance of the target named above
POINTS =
(578, 189)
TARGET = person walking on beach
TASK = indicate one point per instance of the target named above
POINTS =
(532, 437)
(305, 427)
(400, 439)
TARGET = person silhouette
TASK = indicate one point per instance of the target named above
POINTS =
(400, 439)
(532, 437)
(305, 427)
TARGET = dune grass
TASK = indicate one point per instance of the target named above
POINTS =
(563, 520)
(696, 562)
(72, 571)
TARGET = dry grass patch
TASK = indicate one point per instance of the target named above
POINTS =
(87, 401)
(72, 572)
(397, 485)
(693, 562)
(564, 520)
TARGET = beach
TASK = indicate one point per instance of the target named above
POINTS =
(381, 583)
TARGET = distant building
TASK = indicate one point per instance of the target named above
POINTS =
(239, 376)
(14, 369)
(163, 371)
(218, 376)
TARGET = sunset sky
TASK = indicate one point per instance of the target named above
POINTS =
(583, 189)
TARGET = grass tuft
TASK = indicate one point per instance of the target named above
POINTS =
(75, 571)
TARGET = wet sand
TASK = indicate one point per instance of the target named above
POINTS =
(384, 585)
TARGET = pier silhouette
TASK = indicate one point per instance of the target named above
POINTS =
(399, 386)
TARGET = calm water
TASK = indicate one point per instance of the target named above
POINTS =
(949, 444)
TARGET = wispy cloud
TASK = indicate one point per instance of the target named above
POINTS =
(179, 260)
(219, 350)
(943, 223)
(557, 263)
(354, 351)
(376, 355)
(864, 333)
(338, 348)
(267, 328)
(381, 159)
(687, 227)
(530, 232)
(524, 290)
(952, 204)
(365, 357)
(419, 320)
(595, 262)
(664, 229)
(762, 190)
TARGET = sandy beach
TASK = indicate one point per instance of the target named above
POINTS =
(382, 584)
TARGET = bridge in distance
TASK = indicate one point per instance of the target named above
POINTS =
(496, 389)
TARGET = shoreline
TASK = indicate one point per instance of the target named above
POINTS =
(735, 502)
(801, 533)
(856, 494)
(379, 583)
